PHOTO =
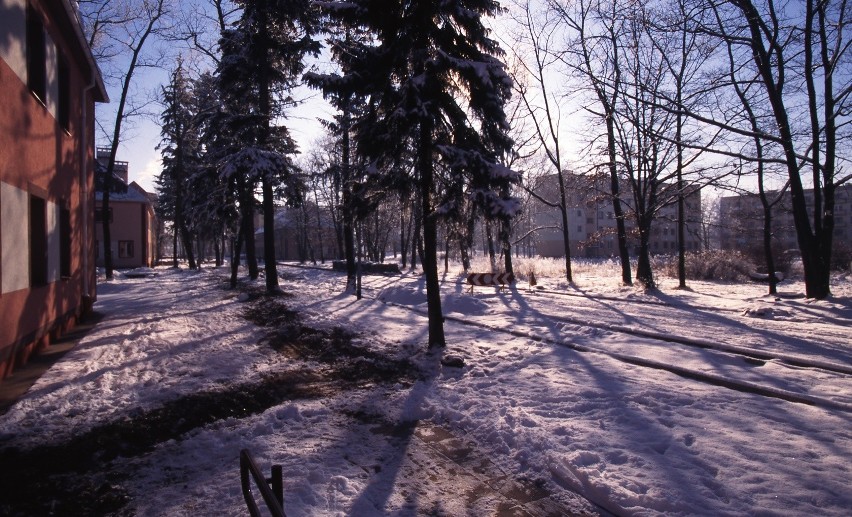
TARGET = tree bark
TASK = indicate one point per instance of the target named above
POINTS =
(644, 274)
(247, 224)
(235, 257)
(430, 236)
(270, 266)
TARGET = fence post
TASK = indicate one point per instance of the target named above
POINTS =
(273, 496)
(278, 484)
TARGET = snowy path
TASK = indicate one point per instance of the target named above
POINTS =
(597, 425)
(525, 413)
(769, 357)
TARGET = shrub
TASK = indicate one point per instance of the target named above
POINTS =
(722, 265)
(841, 256)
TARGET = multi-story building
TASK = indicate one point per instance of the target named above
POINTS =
(49, 84)
(133, 225)
(741, 221)
(592, 224)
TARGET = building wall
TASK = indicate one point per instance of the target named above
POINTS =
(741, 221)
(592, 224)
(131, 222)
(47, 276)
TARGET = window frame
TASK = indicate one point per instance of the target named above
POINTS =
(64, 242)
(125, 249)
(36, 55)
(63, 107)
(99, 214)
(39, 246)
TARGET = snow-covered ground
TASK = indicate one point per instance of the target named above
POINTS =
(717, 400)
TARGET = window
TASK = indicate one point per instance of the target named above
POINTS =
(65, 243)
(97, 248)
(38, 242)
(36, 55)
(99, 215)
(63, 115)
(125, 249)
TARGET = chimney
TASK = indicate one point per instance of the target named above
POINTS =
(121, 168)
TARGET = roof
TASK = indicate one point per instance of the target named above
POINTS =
(97, 79)
(134, 194)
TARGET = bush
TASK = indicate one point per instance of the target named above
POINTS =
(722, 265)
(841, 256)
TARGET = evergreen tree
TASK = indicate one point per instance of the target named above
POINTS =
(344, 91)
(262, 61)
(435, 83)
(179, 150)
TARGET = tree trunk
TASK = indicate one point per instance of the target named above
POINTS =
(617, 210)
(681, 210)
(566, 234)
(106, 226)
(447, 253)
(415, 239)
(681, 236)
(430, 236)
(643, 267)
(247, 225)
(319, 236)
(175, 245)
(506, 243)
(186, 239)
(235, 257)
(403, 243)
(767, 250)
(489, 239)
(360, 252)
(348, 216)
(180, 220)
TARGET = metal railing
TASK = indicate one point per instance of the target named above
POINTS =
(272, 490)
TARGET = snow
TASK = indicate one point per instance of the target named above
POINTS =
(744, 408)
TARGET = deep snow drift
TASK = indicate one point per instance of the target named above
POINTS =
(718, 400)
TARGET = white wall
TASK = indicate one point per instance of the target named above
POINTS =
(13, 32)
(14, 238)
(51, 76)
(53, 243)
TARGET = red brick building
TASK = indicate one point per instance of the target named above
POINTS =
(133, 224)
(49, 84)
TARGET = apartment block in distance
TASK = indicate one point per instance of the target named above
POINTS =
(49, 84)
(741, 221)
(592, 224)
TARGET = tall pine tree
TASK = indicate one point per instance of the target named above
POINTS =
(435, 84)
(179, 148)
(262, 62)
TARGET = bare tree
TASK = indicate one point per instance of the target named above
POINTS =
(122, 30)
(800, 53)
(537, 37)
(593, 53)
(684, 51)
